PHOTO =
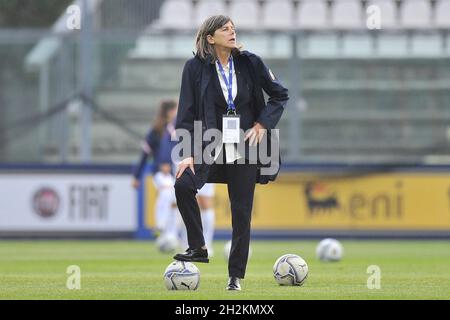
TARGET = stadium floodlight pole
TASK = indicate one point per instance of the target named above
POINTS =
(44, 93)
(293, 112)
(86, 84)
(64, 124)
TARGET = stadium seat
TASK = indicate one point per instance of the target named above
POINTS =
(182, 45)
(312, 14)
(281, 46)
(387, 12)
(257, 43)
(206, 8)
(426, 45)
(245, 13)
(321, 45)
(160, 46)
(347, 14)
(270, 46)
(416, 14)
(393, 45)
(356, 45)
(448, 45)
(443, 14)
(150, 46)
(175, 14)
(278, 14)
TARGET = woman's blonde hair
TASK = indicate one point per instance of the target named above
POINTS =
(208, 27)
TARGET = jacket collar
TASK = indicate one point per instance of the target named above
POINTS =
(206, 73)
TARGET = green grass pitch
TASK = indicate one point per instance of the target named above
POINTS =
(134, 269)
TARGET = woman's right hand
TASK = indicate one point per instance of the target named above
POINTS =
(186, 163)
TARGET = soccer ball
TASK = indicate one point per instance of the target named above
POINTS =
(329, 250)
(290, 270)
(167, 243)
(180, 275)
(227, 249)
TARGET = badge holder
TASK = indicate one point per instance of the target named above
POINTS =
(231, 127)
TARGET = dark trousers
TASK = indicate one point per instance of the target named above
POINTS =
(241, 180)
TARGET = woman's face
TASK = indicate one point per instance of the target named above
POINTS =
(172, 114)
(225, 36)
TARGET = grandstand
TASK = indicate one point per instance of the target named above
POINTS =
(358, 95)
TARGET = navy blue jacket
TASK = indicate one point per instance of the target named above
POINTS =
(166, 146)
(193, 102)
(150, 147)
(160, 147)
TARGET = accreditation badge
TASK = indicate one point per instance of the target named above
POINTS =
(230, 128)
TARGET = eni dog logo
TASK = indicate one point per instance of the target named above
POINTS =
(377, 202)
(320, 197)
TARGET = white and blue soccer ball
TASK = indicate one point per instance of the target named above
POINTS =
(329, 250)
(290, 270)
(180, 275)
(167, 243)
(227, 249)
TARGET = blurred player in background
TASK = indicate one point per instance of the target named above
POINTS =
(205, 195)
(162, 172)
(164, 181)
(205, 199)
(160, 143)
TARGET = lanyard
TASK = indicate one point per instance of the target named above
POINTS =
(229, 84)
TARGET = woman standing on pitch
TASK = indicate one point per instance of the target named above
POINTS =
(222, 87)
